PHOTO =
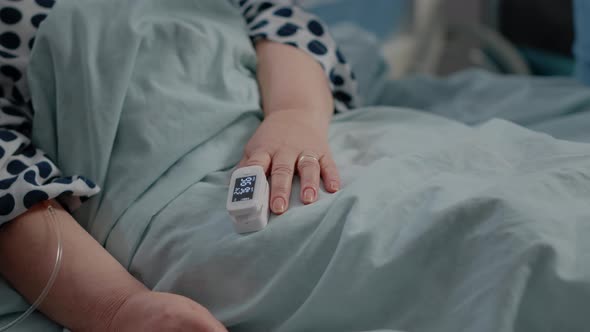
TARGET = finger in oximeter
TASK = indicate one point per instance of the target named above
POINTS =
(247, 200)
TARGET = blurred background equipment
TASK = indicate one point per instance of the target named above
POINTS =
(543, 31)
(439, 37)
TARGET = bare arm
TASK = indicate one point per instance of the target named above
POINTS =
(93, 292)
(91, 285)
(289, 79)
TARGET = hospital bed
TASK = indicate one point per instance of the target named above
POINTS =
(454, 214)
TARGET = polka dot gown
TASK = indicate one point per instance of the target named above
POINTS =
(284, 22)
(28, 176)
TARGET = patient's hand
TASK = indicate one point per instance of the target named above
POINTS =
(92, 291)
(151, 311)
(292, 140)
(298, 106)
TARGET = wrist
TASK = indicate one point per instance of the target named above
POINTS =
(107, 309)
(317, 119)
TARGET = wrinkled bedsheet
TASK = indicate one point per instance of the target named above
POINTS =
(448, 220)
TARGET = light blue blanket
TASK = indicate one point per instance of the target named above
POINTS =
(440, 226)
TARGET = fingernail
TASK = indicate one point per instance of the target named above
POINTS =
(278, 205)
(308, 196)
(334, 186)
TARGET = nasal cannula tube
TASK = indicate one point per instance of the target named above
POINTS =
(58, 257)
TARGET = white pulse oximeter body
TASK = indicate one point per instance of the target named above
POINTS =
(247, 199)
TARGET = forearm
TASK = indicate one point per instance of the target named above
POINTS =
(91, 284)
(290, 79)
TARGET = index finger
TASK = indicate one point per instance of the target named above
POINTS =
(259, 158)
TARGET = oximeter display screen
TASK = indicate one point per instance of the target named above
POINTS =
(244, 189)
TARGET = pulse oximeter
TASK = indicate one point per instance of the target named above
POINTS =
(247, 199)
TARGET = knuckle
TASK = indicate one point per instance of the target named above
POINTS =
(310, 180)
(282, 169)
(167, 318)
(254, 161)
(280, 191)
(308, 164)
(327, 162)
(175, 321)
(330, 168)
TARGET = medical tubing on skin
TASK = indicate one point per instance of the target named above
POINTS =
(56, 267)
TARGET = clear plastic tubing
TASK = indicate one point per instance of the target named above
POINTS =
(56, 266)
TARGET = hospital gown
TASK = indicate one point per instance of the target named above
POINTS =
(28, 176)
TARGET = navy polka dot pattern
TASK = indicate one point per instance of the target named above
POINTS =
(10, 40)
(317, 47)
(7, 136)
(259, 25)
(33, 197)
(31, 177)
(45, 3)
(19, 21)
(287, 30)
(7, 205)
(16, 166)
(28, 151)
(11, 72)
(284, 22)
(9, 110)
(7, 55)
(263, 6)
(17, 96)
(66, 180)
(6, 183)
(10, 15)
(37, 19)
(336, 79)
(27, 175)
(316, 28)
(340, 57)
(284, 12)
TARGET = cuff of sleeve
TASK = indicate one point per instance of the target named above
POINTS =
(21, 192)
(292, 26)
